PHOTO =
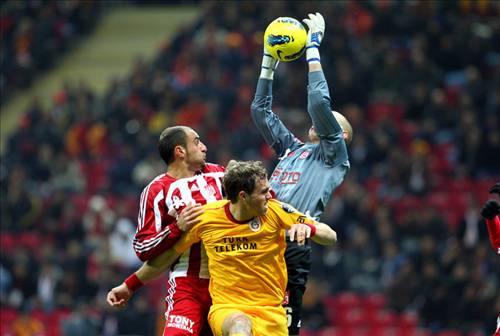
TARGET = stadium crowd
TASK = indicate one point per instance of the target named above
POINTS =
(419, 82)
(35, 34)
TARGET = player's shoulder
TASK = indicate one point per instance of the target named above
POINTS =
(215, 206)
(157, 185)
(213, 210)
(159, 182)
(279, 206)
(213, 168)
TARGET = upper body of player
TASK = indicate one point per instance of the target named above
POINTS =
(307, 173)
(491, 213)
(245, 243)
(188, 181)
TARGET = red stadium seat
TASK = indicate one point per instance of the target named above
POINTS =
(8, 242)
(330, 331)
(408, 320)
(305, 332)
(348, 300)
(385, 318)
(7, 317)
(351, 316)
(345, 331)
(448, 333)
(407, 132)
(415, 332)
(373, 185)
(32, 241)
(385, 331)
(80, 203)
(55, 319)
(40, 315)
(374, 301)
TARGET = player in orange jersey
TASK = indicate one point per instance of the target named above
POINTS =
(244, 238)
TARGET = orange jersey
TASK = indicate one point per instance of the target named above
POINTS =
(245, 259)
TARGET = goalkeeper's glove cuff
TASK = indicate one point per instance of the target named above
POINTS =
(312, 54)
(268, 66)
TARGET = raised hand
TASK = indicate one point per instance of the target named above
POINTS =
(316, 25)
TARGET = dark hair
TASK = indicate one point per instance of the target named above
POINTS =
(169, 138)
(241, 176)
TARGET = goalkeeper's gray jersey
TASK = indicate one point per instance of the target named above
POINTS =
(307, 173)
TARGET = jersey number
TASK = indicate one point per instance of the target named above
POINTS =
(289, 312)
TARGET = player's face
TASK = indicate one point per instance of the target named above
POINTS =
(196, 151)
(258, 199)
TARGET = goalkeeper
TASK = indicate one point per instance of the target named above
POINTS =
(307, 173)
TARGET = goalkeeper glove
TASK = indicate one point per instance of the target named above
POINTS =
(316, 25)
(269, 64)
(490, 209)
(495, 189)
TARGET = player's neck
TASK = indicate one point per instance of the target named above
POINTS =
(239, 212)
(180, 170)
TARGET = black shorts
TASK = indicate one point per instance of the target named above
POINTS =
(298, 263)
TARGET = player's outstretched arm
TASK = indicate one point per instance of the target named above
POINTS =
(491, 213)
(272, 129)
(316, 25)
(151, 269)
(318, 101)
(325, 235)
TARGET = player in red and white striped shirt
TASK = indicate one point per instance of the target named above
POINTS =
(168, 206)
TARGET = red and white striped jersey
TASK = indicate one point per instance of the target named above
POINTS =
(161, 202)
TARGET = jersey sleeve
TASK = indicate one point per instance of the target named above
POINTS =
(190, 237)
(157, 231)
(494, 232)
(287, 215)
(268, 123)
(332, 143)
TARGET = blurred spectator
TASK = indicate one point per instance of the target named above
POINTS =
(35, 34)
(27, 325)
(120, 241)
(48, 279)
(472, 228)
(81, 322)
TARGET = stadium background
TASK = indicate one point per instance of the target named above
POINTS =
(419, 81)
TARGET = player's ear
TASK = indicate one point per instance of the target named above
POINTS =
(179, 151)
(242, 195)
